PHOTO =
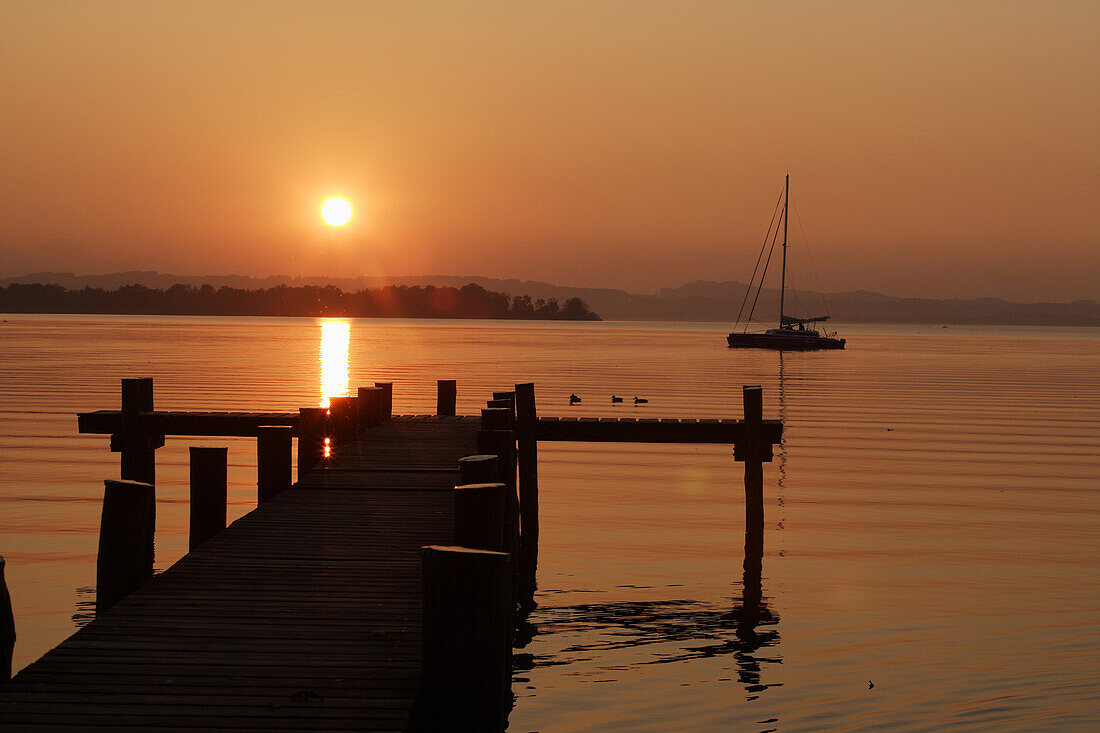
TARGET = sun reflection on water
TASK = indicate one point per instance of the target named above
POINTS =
(335, 359)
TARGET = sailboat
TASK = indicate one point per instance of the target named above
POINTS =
(796, 334)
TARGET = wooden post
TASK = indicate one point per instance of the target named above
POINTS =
(446, 394)
(126, 529)
(208, 493)
(7, 627)
(273, 461)
(479, 516)
(527, 453)
(466, 653)
(479, 469)
(344, 418)
(312, 432)
(136, 447)
(386, 410)
(496, 418)
(502, 443)
(370, 406)
(752, 451)
(505, 405)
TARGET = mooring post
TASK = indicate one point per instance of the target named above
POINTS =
(208, 493)
(508, 405)
(494, 440)
(753, 450)
(446, 395)
(466, 652)
(344, 418)
(478, 469)
(479, 516)
(273, 461)
(7, 627)
(527, 454)
(312, 434)
(126, 529)
(370, 406)
(137, 447)
(386, 410)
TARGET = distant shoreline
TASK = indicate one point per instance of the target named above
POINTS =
(469, 302)
(702, 301)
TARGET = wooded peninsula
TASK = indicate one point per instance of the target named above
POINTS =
(394, 301)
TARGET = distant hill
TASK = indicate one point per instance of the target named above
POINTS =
(696, 301)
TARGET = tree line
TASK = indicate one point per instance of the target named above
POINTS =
(394, 301)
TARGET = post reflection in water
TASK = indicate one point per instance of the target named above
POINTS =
(745, 630)
(334, 358)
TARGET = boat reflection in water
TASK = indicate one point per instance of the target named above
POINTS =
(334, 358)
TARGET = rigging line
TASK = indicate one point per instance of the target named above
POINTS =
(810, 257)
(757, 266)
(765, 272)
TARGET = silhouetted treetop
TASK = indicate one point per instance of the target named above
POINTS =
(395, 301)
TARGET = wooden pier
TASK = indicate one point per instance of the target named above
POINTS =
(344, 601)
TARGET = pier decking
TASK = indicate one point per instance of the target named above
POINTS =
(303, 614)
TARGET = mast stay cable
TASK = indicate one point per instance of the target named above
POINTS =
(757, 266)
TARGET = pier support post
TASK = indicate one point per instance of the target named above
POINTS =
(7, 627)
(386, 410)
(446, 395)
(479, 469)
(502, 444)
(273, 461)
(527, 455)
(126, 529)
(344, 418)
(136, 447)
(479, 516)
(312, 433)
(753, 451)
(370, 406)
(466, 663)
(208, 493)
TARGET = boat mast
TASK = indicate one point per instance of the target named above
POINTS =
(783, 282)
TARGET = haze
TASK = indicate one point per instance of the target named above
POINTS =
(936, 149)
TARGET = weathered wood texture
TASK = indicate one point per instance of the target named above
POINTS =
(303, 614)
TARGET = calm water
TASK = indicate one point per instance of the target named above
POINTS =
(933, 515)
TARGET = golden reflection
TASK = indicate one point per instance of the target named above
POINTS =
(335, 359)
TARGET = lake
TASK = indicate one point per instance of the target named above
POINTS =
(932, 542)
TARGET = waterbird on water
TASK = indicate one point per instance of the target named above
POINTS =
(574, 399)
(616, 399)
(639, 400)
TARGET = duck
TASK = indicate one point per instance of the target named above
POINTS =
(616, 399)
(574, 399)
(639, 400)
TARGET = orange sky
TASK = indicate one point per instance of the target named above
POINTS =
(936, 148)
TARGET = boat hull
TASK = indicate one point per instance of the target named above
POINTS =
(782, 342)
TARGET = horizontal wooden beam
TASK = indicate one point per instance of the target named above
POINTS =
(651, 430)
(245, 424)
(584, 429)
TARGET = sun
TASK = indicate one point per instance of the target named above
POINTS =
(336, 212)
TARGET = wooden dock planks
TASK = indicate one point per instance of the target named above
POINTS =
(303, 615)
